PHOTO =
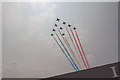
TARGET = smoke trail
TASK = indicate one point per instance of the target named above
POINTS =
(69, 48)
(67, 51)
(74, 45)
(78, 47)
(64, 53)
(82, 48)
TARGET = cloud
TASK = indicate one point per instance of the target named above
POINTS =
(23, 38)
(91, 59)
(37, 28)
(12, 16)
(52, 8)
(35, 23)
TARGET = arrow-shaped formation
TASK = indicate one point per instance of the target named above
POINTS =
(78, 62)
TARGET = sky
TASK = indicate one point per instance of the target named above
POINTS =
(30, 52)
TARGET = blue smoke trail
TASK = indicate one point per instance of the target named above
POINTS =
(64, 53)
(67, 51)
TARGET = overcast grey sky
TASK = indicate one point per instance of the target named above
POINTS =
(30, 51)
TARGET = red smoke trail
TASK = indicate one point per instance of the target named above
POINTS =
(82, 49)
(78, 47)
